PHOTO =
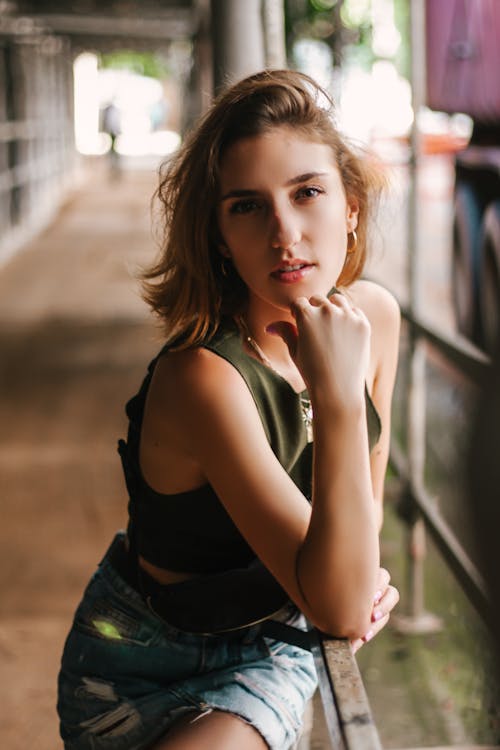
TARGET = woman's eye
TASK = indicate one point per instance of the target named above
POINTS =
(244, 207)
(309, 192)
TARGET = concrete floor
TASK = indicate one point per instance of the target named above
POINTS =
(74, 341)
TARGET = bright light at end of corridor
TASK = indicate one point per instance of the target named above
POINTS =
(376, 103)
(85, 73)
(138, 101)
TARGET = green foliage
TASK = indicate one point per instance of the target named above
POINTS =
(338, 23)
(356, 13)
(347, 27)
(322, 5)
(143, 63)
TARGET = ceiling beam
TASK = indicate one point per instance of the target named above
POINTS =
(178, 24)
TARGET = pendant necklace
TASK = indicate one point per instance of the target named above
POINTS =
(305, 402)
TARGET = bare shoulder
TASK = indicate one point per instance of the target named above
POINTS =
(188, 378)
(194, 395)
(378, 304)
(382, 311)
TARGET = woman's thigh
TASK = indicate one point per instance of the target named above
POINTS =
(127, 678)
(212, 729)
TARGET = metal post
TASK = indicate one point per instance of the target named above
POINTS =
(273, 24)
(199, 83)
(237, 40)
(417, 620)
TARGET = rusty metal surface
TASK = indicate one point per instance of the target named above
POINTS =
(347, 711)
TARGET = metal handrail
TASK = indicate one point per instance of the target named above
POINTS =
(347, 712)
(458, 350)
(445, 539)
(475, 365)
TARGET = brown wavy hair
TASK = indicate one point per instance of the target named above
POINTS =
(190, 287)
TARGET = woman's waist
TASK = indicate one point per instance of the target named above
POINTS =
(172, 564)
(164, 576)
(207, 603)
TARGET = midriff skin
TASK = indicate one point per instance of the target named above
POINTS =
(162, 575)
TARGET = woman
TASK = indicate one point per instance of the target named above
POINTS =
(191, 632)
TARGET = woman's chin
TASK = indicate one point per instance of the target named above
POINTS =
(282, 302)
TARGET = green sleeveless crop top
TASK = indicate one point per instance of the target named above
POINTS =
(191, 531)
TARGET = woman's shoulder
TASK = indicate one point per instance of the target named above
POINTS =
(219, 361)
(382, 311)
(378, 303)
(195, 371)
(190, 395)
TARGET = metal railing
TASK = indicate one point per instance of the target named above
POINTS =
(424, 513)
(347, 712)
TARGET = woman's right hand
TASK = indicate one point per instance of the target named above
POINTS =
(330, 344)
(385, 600)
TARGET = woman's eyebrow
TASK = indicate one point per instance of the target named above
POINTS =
(240, 193)
(305, 177)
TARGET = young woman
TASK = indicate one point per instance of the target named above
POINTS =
(191, 632)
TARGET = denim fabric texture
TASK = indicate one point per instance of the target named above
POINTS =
(126, 675)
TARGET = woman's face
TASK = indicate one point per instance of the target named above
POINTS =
(283, 216)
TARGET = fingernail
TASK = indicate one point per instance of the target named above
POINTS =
(367, 636)
(377, 597)
(376, 616)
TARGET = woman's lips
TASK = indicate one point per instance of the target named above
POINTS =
(290, 273)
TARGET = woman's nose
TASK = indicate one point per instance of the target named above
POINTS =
(285, 231)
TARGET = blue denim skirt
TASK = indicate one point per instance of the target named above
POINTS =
(127, 675)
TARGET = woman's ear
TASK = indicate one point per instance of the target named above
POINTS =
(352, 214)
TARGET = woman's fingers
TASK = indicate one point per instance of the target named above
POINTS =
(340, 300)
(371, 633)
(385, 600)
(299, 305)
(386, 596)
(385, 604)
(383, 580)
(302, 304)
(316, 300)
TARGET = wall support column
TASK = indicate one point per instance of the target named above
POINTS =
(237, 40)
(273, 22)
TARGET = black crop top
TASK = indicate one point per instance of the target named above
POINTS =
(191, 531)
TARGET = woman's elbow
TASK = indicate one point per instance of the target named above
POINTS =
(337, 624)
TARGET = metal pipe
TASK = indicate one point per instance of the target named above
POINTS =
(416, 619)
(237, 40)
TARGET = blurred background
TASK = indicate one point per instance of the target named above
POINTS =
(94, 96)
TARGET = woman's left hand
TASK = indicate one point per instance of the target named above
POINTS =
(385, 600)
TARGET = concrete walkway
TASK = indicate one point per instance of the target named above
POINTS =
(74, 340)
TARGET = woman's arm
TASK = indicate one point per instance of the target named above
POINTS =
(327, 559)
(382, 311)
(340, 556)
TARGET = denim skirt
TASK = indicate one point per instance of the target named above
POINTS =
(127, 675)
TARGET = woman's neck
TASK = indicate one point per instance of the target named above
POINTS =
(269, 348)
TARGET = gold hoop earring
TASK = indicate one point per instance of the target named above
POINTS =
(351, 246)
(225, 266)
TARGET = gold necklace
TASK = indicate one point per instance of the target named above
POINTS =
(305, 402)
